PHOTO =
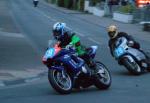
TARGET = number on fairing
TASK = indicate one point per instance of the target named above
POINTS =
(119, 51)
(50, 53)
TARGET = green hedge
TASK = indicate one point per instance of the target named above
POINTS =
(94, 2)
(81, 5)
(127, 9)
(60, 3)
(53, 1)
(69, 4)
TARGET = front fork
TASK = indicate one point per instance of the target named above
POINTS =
(93, 67)
(91, 63)
(63, 74)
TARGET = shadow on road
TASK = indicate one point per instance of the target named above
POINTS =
(80, 91)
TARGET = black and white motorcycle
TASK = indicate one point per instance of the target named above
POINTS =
(133, 59)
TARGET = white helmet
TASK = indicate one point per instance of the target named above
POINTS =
(58, 30)
(59, 25)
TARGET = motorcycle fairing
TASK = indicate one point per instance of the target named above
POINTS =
(73, 62)
(136, 53)
(119, 52)
(92, 51)
(51, 52)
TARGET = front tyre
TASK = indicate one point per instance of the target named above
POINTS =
(102, 77)
(61, 84)
(132, 66)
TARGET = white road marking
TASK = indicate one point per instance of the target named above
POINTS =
(32, 79)
(16, 35)
(94, 41)
(47, 16)
(82, 35)
(42, 13)
(2, 84)
(78, 33)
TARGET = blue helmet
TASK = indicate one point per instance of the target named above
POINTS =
(59, 30)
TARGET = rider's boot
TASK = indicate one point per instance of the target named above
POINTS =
(93, 67)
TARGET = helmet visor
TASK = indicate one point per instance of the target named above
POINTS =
(111, 34)
(57, 34)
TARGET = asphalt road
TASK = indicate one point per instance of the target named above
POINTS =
(35, 25)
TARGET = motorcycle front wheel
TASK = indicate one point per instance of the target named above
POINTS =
(132, 67)
(62, 84)
(102, 77)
